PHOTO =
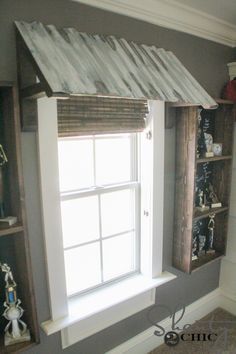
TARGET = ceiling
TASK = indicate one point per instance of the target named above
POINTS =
(222, 9)
(210, 19)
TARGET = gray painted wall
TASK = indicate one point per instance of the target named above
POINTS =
(206, 61)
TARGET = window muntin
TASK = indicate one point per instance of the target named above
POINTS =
(100, 210)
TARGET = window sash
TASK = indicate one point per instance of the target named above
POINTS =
(133, 184)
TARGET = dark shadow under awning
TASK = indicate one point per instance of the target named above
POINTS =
(74, 63)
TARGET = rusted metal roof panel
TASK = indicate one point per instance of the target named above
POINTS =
(78, 63)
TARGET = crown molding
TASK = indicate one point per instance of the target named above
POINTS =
(173, 15)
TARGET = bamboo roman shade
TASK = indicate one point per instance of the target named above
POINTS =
(89, 115)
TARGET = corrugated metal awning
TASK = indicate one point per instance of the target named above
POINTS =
(75, 63)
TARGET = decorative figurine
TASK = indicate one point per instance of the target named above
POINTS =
(202, 200)
(194, 248)
(202, 245)
(211, 226)
(209, 144)
(215, 203)
(217, 149)
(16, 330)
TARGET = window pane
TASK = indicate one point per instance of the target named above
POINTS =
(80, 221)
(112, 160)
(75, 164)
(118, 256)
(117, 209)
(82, 266)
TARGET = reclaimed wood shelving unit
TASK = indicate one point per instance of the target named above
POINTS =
(187, 165)
(14, 246)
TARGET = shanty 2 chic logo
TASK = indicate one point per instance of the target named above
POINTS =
(179, 333)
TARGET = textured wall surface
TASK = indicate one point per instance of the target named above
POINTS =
(207, 63)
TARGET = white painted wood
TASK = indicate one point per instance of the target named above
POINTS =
(152, 191)
(157, 192)
(232, 70)
(147, 341)
(85, 307)
(102, 320)
(51, 214)
(174, 15)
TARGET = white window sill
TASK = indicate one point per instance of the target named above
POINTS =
(93, 312)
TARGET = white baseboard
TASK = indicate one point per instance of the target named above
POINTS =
(147, 341)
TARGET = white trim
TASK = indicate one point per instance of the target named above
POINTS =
(152, 191)
(92, 312)
(51, 212)
(147, 341)
(85, 307)
(115, 304)
(89, 326)
(173, 15)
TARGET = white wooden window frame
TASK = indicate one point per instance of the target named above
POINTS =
(133, 185)
(82, 316)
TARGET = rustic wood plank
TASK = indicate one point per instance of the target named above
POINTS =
(223, 123)
(14, 243)
(204, 214)
(33, 91)
(10, 230)
(186, 130)
(214, 158)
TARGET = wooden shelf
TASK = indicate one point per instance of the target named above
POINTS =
(224, 101)
(192, 176)
(214, 158)
(205, 259)
(14, 242)
(15, 348)
(182, 104)
(204, 214)
(9, 230)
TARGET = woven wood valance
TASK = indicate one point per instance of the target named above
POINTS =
(100, 115)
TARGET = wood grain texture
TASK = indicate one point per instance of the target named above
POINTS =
(14, 244)
(99, 115)
(186, 163)
(186, 134)
(72, 62)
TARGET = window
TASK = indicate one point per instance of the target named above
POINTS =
(100, 209)
(119, 197)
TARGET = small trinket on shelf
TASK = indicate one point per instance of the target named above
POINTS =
(211, 227)
(217, 149)
(209, 145)
(202, 245)
(194, 248)
(16, 330)
(215, 203)
(202, 201)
